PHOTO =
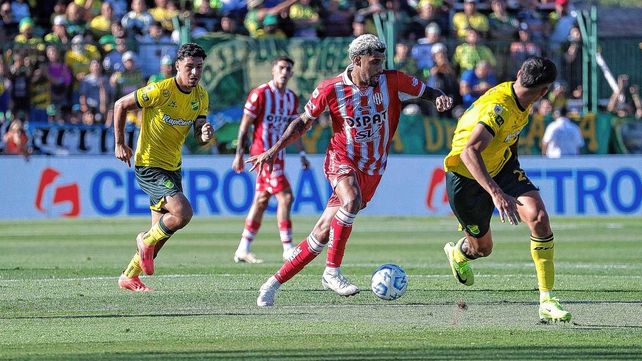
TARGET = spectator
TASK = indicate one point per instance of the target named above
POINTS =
(533, 18)
(26, 39)
(476, 82)
(206, 16)
(130, 79)
(40, 93)
(8, 22)
(562, 20)
(470, 18)
(5, 93)
(20, 75)
(76, 24)
(358, 26)
(544, 110)
(78, 59)
(522, 48)
(428, 12)
(571, 68)
(138, 20)
(421, 52)
(60, 78)
(91, 8)
(403, 61)
(443, 76)
(95, 91)
(254, 20)
(60, 8)
(101, 24)
(16, 140)
(306, 19)
(20, 10)
(58, 35)
(112, 62)
(562, 137)
(230, 25)
(502, 26)
(558, 95)
(163, 13)
(337, 20)
(152, 47)
(469, 53)
(622, 105)
(119, 7)
(166, 70)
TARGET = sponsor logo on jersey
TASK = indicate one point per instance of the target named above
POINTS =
(171, 121)
(366, 127)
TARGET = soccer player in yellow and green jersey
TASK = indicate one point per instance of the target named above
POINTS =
(483, 173)
(170, 109)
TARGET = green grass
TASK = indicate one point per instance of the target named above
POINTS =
(59, 299)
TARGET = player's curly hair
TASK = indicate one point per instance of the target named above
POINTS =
(190, 50)
(537, 71)
(366, 44)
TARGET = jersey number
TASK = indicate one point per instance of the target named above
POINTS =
(521, 176)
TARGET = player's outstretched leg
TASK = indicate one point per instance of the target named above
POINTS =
(459, 263)
(332, 278)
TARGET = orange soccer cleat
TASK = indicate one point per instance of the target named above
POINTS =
(133, 284)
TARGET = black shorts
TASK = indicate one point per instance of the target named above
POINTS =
(158, 183)
(473, 206)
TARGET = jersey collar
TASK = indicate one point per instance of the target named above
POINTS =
(512, 92)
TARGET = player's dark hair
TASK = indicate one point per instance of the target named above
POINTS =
(190, 50)
(282, 58)
(537, 71)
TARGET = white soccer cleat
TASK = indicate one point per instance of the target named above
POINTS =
(267, 292)
(246, 257)
(339, 284)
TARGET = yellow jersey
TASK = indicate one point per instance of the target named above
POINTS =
(499, 111)
(168, 115)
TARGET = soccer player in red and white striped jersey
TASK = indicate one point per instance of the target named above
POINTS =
(269, 108)
(364, 104)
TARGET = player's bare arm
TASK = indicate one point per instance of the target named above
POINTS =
(471, 157)
(121, 150)
(242, 140)
(293, 132)
(442, 101)
(203, 131)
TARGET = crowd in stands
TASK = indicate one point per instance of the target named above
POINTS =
(66, 61)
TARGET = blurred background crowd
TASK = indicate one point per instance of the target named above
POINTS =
(65, 62)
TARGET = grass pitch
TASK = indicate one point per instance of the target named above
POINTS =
(59, 299)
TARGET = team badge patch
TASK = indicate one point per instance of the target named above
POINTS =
(165, 92)
(195, 104)
(168, 184)
(145, 97)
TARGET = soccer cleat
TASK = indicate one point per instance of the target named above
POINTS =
(247, 257)
(133, 284)
(551, 310)
(339, 284)
(146, 253)
(267, 292)
(462, 271)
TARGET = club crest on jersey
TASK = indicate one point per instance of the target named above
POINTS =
(195, 104)
(378, 98)
(145, 96)
(415, 81)
(165, 93)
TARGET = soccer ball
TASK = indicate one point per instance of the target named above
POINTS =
(389, 282)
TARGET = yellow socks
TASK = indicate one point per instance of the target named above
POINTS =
(157, 233)
(542, 251)
(458, 255)
(133, 268)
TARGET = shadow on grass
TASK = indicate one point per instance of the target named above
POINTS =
(373, 353)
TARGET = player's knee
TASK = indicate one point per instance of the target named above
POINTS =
(262, 203)
(540, 224)
(352, 204)
(184, 215)
(286, 199)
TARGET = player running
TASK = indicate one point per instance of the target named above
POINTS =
(364, 104)
(269, 108)
(171, 108)
(483, 173)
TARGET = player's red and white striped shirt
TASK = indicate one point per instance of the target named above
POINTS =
(363, 121)
(272, 112)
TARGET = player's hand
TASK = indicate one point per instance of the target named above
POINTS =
(259, 160)
(443, 103)
(305, 163)
(207, 132)
(507, 207)
(124, 153)
(237, 164)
